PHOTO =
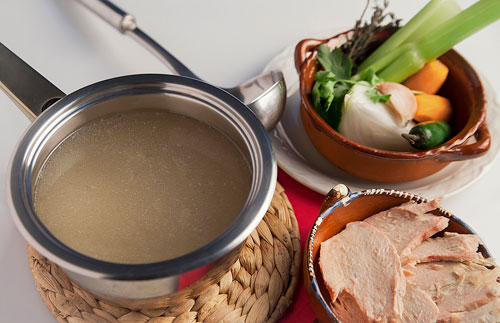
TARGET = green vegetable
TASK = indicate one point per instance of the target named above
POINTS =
(369, 76)
(434, 13)
(428, 135)
(432, 32)
(332, 84)
(376, 97)
(335, 62)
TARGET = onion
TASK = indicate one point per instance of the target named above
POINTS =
(372, 124)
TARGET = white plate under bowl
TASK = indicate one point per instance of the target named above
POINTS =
(297, 156)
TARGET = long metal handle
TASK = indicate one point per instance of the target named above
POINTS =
(126, 24)
(32, 92)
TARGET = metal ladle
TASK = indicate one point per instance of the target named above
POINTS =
(264, 94)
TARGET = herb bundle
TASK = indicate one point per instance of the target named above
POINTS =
(362, 41)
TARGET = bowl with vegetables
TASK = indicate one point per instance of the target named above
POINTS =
(393, 104)
(418, 262)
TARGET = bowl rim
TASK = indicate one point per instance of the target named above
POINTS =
(475, 125)
(344, 198)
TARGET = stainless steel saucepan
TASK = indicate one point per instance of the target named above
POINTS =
(129, 285)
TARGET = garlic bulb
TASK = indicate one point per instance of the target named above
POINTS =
(402, 102)
(372, 124)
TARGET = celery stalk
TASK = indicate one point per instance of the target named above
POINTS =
(389, 58)
(405, 65)
(458, 28)
(441, 39)
(447, 10)
(435, 12)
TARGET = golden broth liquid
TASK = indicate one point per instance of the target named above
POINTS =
(142, 187)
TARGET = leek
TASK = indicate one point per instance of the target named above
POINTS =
(416, 49)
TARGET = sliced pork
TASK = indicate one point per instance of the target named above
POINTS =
(488, 313)
(347, 309)
(418, 306)
(450, 247)
(408, 225)
(361, 262)
(456, 287)
(387, 268)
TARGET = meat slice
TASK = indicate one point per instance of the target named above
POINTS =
(488, 313)
(361, 262)
(454, 286)
(420, 208)
(348, 310)
(407, 225)
(418, 306)
(450, 247)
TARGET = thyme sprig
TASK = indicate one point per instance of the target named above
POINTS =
(362, 41)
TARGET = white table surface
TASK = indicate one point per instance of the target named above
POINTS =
(224, 42)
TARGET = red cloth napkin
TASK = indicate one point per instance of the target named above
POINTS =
(306, 204)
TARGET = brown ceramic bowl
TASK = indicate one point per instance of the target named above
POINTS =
(462, 87)
(341, 207)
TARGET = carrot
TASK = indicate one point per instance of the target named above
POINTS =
(433, 107)
(429, 78)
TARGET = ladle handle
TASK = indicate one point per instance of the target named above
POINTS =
(32, 92)
(126, 24)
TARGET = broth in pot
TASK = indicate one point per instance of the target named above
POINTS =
(142, 187)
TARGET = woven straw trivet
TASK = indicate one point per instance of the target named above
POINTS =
(258, 287)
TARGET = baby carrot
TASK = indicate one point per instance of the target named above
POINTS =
(432, 107)
(429, 78)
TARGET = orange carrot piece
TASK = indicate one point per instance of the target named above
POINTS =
(433, 107)
(429, 78)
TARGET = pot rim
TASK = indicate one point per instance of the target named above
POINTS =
(476, 123)
(344, 199)
(19, 179)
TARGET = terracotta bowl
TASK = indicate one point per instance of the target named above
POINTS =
(341, 207)
(462, 87)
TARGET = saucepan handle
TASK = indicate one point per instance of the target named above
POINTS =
(468, 151)
(110, 13)
(32, 92)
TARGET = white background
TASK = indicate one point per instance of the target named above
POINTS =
(224, 42)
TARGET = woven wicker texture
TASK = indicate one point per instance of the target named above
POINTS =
(258, 287)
